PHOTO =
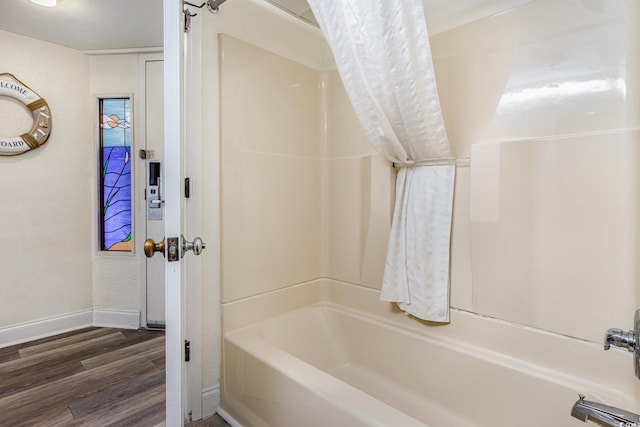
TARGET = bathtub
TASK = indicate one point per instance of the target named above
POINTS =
(328, 365)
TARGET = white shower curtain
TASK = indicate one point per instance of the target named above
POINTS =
(381, 49)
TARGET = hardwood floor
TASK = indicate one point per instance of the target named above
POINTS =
(92, 377)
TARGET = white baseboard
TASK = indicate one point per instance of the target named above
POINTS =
(124, 319)
(210, 400)
(42, 328)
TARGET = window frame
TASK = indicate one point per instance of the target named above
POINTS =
(100, 199)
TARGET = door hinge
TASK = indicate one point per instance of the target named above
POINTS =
(187, 188)
(187, 350)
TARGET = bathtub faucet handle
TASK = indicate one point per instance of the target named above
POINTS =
(629, 340)
(619, 338)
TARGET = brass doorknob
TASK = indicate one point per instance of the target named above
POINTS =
(151, 247)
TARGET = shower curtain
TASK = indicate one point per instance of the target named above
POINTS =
(382, 53)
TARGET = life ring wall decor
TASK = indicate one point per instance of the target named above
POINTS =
(39, 133)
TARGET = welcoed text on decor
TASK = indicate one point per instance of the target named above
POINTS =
(39, 133)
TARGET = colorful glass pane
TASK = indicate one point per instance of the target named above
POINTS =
(115, 180)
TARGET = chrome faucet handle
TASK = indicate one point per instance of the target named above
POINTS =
(629, 340)
(619, 338)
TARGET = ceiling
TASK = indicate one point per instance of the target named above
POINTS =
(94, 25)
(441, 15)
(87, 25)
(299, 8)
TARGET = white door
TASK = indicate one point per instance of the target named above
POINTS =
(177, 387)
(153, 187)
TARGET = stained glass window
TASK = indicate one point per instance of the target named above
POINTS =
(115, 174)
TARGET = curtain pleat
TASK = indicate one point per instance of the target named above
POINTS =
(382, 53)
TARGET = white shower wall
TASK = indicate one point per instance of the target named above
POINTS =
(545, 217)
(546, 107)
(271, 171)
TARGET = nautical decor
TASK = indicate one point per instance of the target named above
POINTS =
(39, 133)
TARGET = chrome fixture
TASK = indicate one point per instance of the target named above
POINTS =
(606, 415)
(213, 5)
(629, 340)
(196, 246)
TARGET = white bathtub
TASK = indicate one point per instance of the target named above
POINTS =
(327, 365)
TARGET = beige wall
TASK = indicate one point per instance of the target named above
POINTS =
(117, 284)
(45, 255)
(50, 264)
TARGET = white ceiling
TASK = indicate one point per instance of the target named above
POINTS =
(299, 8)
(441, 15)
(91, 25)
(87, 24)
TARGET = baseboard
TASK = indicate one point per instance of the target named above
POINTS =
(42, 328)
(210, 400)
(124, 319)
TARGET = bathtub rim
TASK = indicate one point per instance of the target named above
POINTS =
(509, 362)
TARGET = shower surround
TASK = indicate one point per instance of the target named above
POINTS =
(541, 109)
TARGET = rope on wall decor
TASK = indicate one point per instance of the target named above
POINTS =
(11, 87)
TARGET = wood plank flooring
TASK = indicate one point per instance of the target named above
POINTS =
(91, 377)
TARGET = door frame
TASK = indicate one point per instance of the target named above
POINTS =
(173, 142)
